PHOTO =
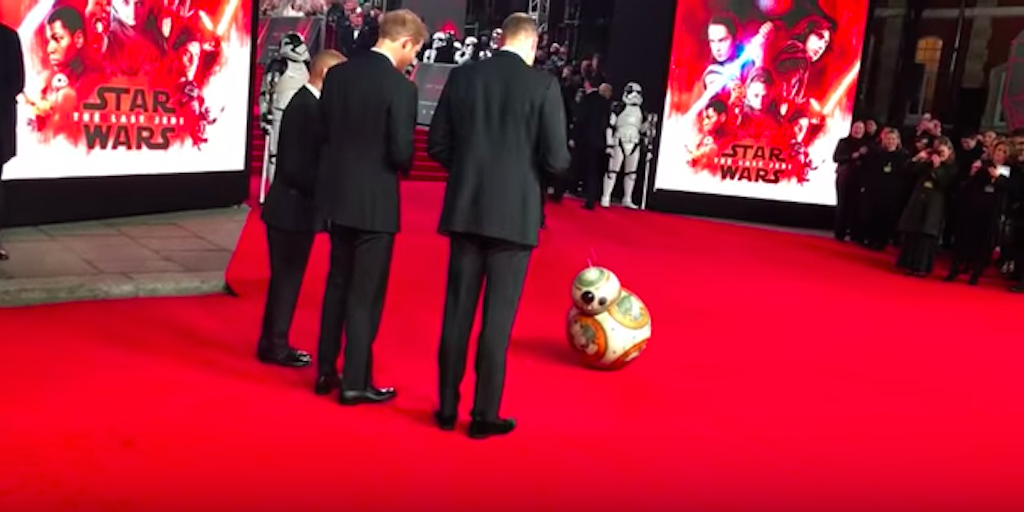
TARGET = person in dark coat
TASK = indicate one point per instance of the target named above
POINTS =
(590, 141)
(291, 217)
(884, 178)
(368, 119)
(12, 81)
(850, 151)
(498, 128)
(979, 208)
(969, 152)
(923, 218)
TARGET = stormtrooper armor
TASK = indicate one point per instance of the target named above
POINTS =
(467, 52)
(284, 75)
(625, 128)
(438, 41)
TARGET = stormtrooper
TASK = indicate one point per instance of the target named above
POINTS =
(625, 128)
(467, 52)
(437, 41)
(284, 75)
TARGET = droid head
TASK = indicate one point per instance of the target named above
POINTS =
(633, 94)
(294, 48)
(595, 290)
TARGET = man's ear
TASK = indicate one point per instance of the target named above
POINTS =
(79, 39)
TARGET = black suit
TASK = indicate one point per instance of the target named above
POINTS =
(352, 45)
(12, 81)
(368, 115)
(291, 217)
(592, 115)
(499, 126)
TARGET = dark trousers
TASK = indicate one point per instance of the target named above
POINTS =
(847, 196)
(592, 168)
(881, 213)
(289, 256)
(474, 261)
(353, 302)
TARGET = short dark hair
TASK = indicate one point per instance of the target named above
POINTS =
(717, 105)
(67, 16)
(519, 25)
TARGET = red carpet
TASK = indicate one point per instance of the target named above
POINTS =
(786, 373)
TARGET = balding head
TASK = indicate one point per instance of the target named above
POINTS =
(322, 63)
(520, 34)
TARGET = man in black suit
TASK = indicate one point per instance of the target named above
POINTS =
(368, 113)
(290, 215)
(590, 140)
(12, 81)
(355, 37)
(499, 126)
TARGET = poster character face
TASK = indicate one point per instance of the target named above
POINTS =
(128, 11)
(713, 117)
(64, 37)
(817, 43)
(721, 42)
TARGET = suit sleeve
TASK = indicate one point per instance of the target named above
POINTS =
(402, 128)
(14, 66)
(296, 115)
(553, 148)
(441, 136)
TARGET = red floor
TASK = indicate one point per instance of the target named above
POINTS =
(785, 373)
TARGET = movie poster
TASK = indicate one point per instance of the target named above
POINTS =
(759, 94)
(130, 87)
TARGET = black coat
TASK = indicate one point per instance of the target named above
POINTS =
(925, 212)
(351, 45)
(592, 116)
(884, 175)
(368, 118)
(291, 202)
(12, 81)
(980, 201)
(845, 149)
(499, 126)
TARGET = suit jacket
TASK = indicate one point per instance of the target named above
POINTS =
(291, 202)
(12, 81)
(498, 126)
(368, 117)
(592, 116)
(351, 45)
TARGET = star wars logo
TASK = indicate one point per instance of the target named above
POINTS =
(749, 162)
(129, 118)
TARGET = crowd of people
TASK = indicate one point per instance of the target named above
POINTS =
(937, 196)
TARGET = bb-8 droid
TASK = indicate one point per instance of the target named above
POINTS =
(607, 325)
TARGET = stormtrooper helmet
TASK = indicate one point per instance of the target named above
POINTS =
(439, 40)
(470, 43)
(293, 48)
(633, 94)
(496, 36)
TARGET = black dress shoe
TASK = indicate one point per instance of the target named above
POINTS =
(482, 429)
(370, 395)
(445, 422)
(325, 384)
(289, 357)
